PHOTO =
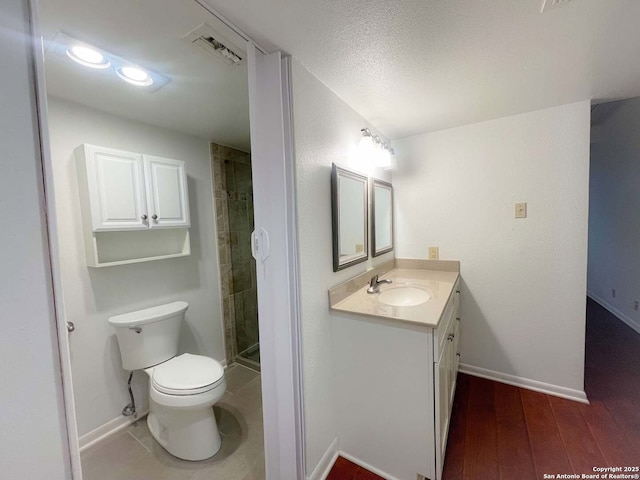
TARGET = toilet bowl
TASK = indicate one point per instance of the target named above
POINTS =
(182, 392)
(182, 388)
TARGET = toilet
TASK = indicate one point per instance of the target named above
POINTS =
(182, 388)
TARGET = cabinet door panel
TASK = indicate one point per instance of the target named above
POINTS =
(116, 189)
(167, 196)
(441, 394)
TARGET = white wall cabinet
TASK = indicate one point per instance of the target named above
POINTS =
(132, 191)
(125, 192)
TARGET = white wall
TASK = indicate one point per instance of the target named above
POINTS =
(326, 130)
(33, 441)
(524, 280)
(614, 223)
(93, 295)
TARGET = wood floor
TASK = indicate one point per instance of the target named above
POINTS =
(503, 432)
(343, 469)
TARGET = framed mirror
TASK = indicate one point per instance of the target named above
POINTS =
(382, 218)
(349, 203)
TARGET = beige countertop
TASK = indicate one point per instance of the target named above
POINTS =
(438, 283)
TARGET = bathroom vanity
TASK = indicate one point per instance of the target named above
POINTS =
(396, 355)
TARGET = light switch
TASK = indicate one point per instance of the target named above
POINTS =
(521, 210)
(434, 253)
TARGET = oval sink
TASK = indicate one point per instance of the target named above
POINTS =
(404, 296)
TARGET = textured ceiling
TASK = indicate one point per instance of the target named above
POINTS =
(204, 98)
(412, 66)
(407, 66)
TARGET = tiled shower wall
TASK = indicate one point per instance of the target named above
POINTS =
(234, 219)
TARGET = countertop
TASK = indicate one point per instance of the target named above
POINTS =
(439, 285)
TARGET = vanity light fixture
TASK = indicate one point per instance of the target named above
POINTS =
(372, 147)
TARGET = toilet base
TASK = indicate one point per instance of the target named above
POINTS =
(189, 434)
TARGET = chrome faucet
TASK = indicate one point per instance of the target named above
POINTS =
(374, 284)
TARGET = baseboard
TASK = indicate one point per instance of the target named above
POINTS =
(357, 461)
(529, 384)
(110, 428)
(615, 312)
(326, 462)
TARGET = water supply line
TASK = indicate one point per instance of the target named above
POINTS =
(131, 408)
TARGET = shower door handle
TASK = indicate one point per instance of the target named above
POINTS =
(260, 245)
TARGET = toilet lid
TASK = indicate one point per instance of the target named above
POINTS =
(187, 374)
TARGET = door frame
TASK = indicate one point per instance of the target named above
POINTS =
(275, 235)
(279, 306)
(62, 339)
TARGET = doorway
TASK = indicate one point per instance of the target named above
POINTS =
(233, 191)
(175, 112)
(613, 274)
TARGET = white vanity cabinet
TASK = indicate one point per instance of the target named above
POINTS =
(132, 191)
(125, 196)
(395, 369)
(445, 371)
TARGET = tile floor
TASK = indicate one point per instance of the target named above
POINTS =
(134, 455)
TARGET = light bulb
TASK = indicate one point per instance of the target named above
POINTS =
(135, 76)
(384, 158)
(88, 57)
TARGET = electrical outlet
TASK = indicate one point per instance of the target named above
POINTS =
(434, 253)
(613, 292)
(521, 210)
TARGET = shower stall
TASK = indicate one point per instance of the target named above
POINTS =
(233, 195)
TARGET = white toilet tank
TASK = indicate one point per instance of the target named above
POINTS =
(150, 336)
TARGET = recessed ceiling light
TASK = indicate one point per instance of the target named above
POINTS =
(135, 76)
(88, 57)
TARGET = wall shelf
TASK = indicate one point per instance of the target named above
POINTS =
(106, 249)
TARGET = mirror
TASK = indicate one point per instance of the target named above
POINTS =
(382, 219)
(349, 191)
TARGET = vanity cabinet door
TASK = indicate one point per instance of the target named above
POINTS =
(167, 197)
(445, 374)
(441, 383)
(114, 187)
(453, 362)
(444, 378)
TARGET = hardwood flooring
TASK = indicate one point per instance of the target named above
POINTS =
(503, 432)
(344, 469)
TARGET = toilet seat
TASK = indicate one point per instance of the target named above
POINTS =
(187, 374)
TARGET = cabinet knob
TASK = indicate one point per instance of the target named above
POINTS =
(458, 354)
(144, 217)
(451, 336)
(154, 216)
(458, 318)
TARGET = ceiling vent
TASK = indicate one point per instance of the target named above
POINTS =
(220, 41)
(549, 4)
